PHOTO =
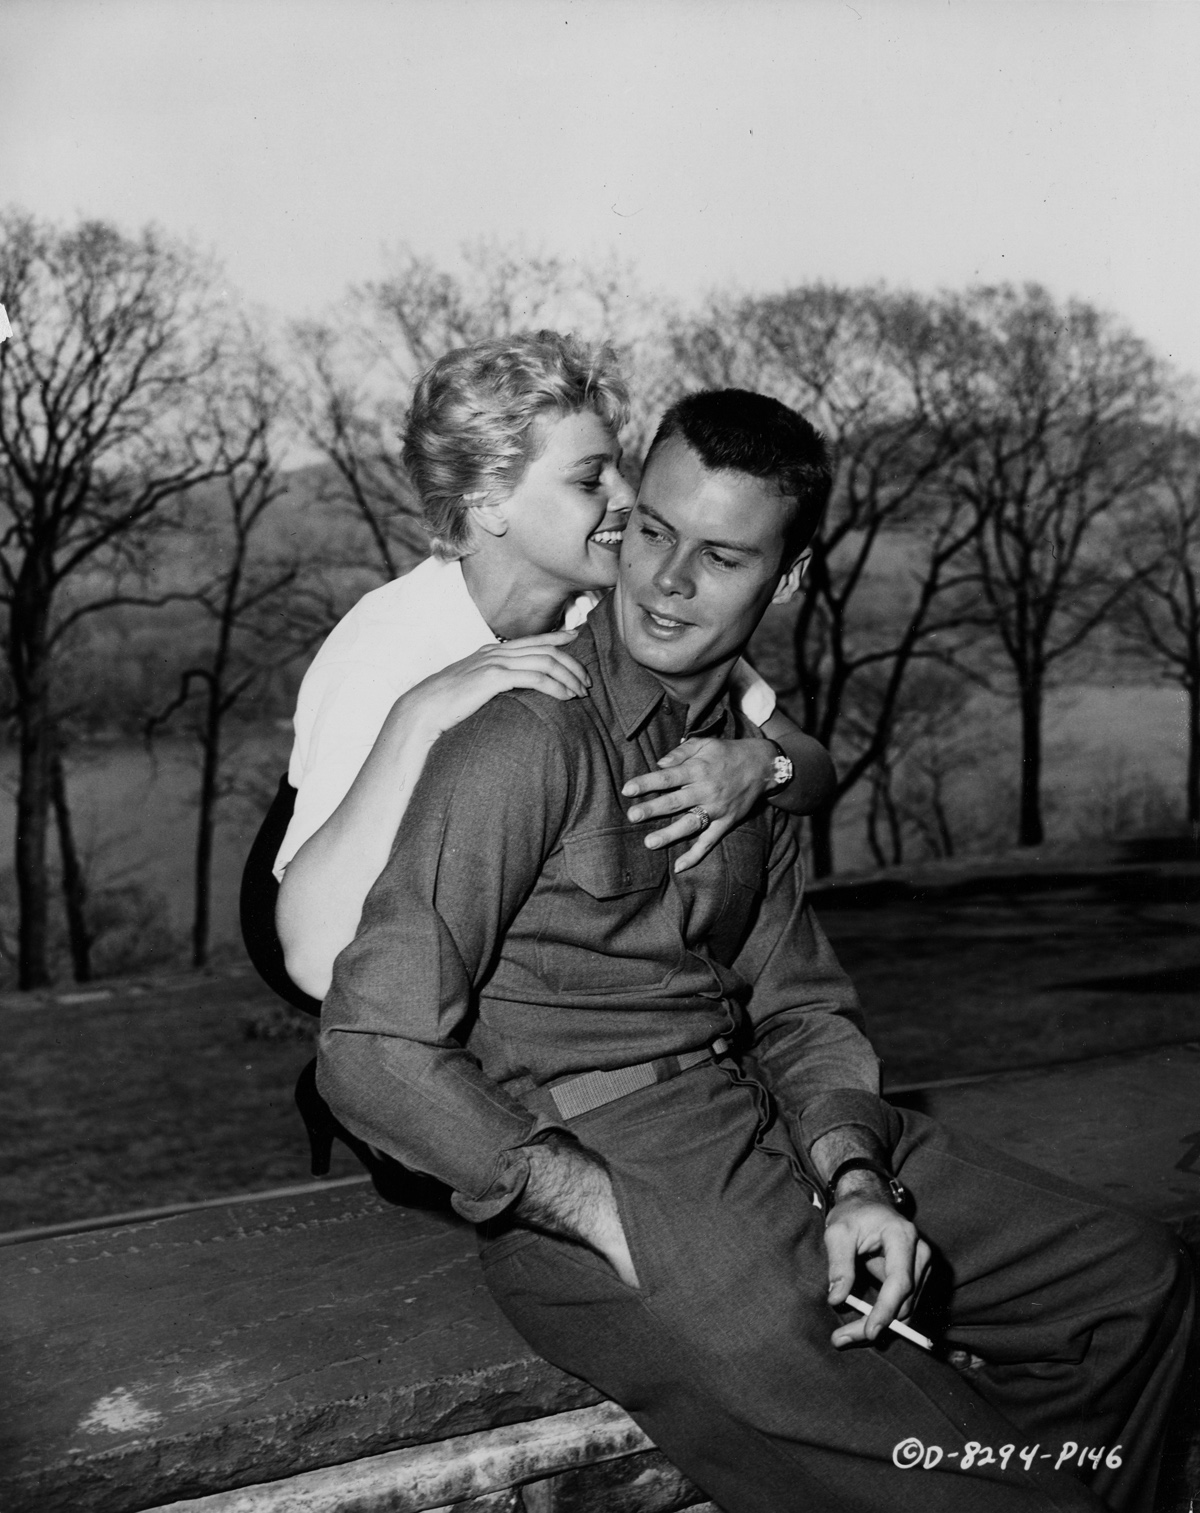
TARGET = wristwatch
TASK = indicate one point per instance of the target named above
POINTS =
(896, 1189)
(781, 768)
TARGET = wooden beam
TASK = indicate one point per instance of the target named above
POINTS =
(432, 1478)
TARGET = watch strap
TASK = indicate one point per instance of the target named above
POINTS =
(896, 1189)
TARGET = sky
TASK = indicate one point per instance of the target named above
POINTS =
(709, 143)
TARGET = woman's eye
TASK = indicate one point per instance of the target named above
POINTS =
(590, 484)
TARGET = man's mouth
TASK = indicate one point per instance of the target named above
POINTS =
(664, 625)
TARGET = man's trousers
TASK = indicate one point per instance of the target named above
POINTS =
(1079, 1314)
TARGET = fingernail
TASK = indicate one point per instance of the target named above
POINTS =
(634, 814)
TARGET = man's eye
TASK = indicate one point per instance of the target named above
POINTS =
(651, 534)
(722, 562)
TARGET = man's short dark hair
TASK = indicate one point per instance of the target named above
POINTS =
(751, 433)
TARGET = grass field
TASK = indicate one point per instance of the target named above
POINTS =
(161, 1089)
(1113, 755)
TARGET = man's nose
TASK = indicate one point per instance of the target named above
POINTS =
(674, 576)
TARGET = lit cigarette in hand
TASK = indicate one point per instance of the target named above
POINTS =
(902, 1330)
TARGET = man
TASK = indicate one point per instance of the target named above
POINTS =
(654, 1093)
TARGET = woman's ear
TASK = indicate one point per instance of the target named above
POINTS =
(489, 516)
(789, 585)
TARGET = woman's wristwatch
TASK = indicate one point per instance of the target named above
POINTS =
(782, 769)
(896, 1189)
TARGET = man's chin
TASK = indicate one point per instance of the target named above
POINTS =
(670, 658)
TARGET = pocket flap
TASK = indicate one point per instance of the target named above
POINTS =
(607, 863)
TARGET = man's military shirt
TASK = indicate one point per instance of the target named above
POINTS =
(522, 931)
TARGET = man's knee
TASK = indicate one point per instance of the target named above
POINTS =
(1155, 1268)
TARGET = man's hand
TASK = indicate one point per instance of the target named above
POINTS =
(864, 1225)
(570, 1193)
(725, 778)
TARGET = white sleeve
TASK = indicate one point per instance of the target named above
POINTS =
(339, 714)
(755, 697)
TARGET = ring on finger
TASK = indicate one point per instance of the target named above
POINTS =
(702, 815)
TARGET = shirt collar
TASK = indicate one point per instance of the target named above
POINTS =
(634, 693)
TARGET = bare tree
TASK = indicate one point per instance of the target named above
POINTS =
(932, 749)
(1160, 621)
(1060, 407)
(359, 372)
(885, 588)
(101, 423)
(248, 630)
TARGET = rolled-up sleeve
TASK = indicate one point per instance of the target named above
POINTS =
(391, 1063)
(809, 1038)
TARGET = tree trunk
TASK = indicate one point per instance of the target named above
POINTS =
(895, 830)
(1193, 755)
(873, 807)
(74, 886)
(1030, 831)
(821, 830)
(205, 825)
(33, 884)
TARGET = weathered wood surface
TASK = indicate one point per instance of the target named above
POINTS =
(229, 1347)
(215, 1349)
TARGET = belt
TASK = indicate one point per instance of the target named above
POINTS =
(579, 1095)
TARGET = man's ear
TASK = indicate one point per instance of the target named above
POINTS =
(789, 585)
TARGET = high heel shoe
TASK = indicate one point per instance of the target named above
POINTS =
(394, 1183)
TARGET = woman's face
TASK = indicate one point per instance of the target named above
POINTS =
(566, 515)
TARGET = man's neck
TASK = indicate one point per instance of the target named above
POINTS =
(509, 603)
(699, 691)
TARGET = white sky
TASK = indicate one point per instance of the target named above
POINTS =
(708, 141)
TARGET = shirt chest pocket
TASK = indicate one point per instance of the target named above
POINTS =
(746, 852)
(614, 922)
(607, 864)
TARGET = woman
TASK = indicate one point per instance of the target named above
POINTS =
(512, 447)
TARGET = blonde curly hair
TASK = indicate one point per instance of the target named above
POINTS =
(472, 426)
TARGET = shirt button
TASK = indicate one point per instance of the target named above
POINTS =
(626, 876)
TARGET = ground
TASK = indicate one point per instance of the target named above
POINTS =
(157, 1090)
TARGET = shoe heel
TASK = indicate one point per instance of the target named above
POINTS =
(319, 1123)
(320, 1145)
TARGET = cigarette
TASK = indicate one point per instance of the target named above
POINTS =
(902, 1330)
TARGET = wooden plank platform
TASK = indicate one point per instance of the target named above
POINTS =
(163, 1360)
(211, 1350)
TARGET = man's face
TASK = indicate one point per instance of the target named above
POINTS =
(701, 560)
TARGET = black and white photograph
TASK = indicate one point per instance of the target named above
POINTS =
(599, 756)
